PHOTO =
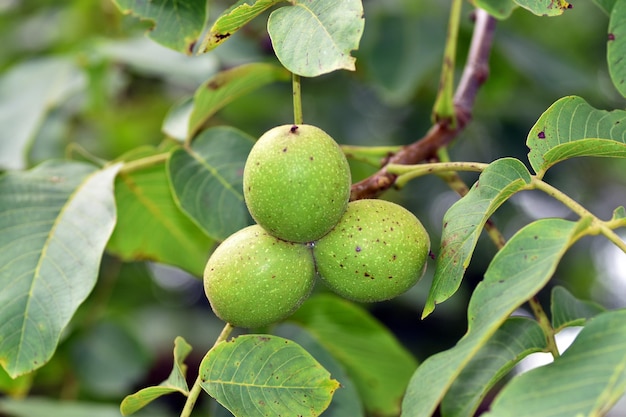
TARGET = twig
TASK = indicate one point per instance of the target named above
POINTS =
(474, 75)
(196, 389)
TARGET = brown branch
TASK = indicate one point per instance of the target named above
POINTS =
(474, 75)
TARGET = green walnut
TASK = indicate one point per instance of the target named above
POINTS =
(254, 279)
(296, 182)
(377, 251)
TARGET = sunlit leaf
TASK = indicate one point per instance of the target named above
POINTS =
(28, 91)
(380, 369)
(567, 310)
(616, 47)
(55, 221)
(513, 341)
(228, 85)
(315, 37)
(586, 380)
(263, 375)
(346, 401)
(572, 128)
(500, 9)
(233, 19)
(150, 225)
(176, 382)
(207, 180)
(545, 7)
(177, 24)
(464, 221)
(517, 272)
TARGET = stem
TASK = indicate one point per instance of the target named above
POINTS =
(602, 227)
(297, 99)
(494, 234)
(74, 147)
(406, 173)
(613, 237)
(372, 155)
(544, 323)
(196, 389)
(440, 134)
(147, 162)
(455, 182)
(379, 151)
(443, 109)
(562, 197)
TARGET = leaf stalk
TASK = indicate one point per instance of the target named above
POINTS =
(546, 326)
(196, 389)
(143, 163)
(297, 99)
(443, 108)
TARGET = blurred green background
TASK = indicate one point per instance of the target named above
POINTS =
(117, 87)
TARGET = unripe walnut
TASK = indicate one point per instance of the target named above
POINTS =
(377, 251)
(254, 279)
(296, 182)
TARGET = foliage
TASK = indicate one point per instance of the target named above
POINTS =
(122, 158)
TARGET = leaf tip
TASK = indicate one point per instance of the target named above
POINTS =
(428, 309)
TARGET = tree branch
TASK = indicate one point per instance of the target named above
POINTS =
(474, 75)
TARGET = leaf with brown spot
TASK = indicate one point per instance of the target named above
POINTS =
(465, 220)
(233, 19)
(177, 24)
(228, 85)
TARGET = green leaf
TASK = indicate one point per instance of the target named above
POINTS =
(380, 369)
(228, 85)
(586, 380)
(176, 382)
(619, 213)
(316, 37)
(605, 5)
(464, 221)
(567, 310)
(233, 19)
(207, 180)
(572, 128)
(150, 226)
(28, 92)
(500, 9)
(513, 341)
(263, 375)
(45, 407)
(177, 24)
(616, 47)
(346, 401)
(517, 272)
(545, 7)
(55, 221)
